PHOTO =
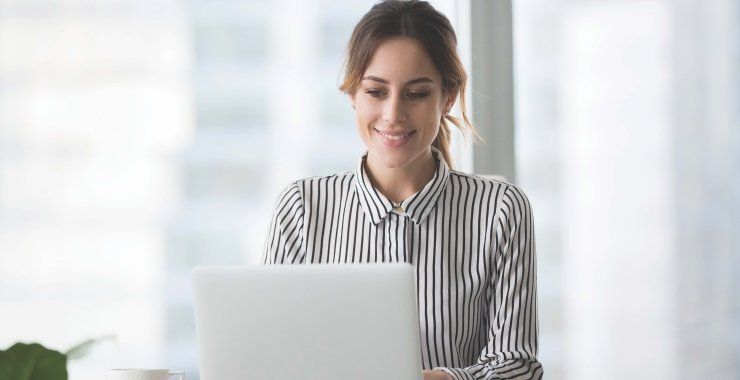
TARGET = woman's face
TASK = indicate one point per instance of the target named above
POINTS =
(399, 103)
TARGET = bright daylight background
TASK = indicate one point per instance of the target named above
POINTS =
(141, 138)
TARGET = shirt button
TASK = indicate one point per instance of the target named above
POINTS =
(398, 208)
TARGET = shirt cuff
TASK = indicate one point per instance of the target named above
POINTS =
(456, 373)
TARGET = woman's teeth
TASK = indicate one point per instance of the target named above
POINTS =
(394, 137)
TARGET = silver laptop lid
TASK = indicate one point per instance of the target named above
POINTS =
(311, 322)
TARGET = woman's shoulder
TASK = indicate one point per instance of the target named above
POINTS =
(479, 180)
(498, 184)
(301, 185)
(321, 179)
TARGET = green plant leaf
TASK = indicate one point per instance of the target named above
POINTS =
(11, 367)
(32, 362)
(82, 349)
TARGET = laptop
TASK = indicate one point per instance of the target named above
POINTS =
(309, 322)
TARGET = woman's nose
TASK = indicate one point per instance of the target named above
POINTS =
(394, 111)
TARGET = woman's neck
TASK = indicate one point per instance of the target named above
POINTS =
(397, 184)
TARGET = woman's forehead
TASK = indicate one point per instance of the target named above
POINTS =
(400, 60)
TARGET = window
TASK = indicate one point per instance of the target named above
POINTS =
(139, 139)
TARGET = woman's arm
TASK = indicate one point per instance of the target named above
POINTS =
(284, 243)
(511, 351)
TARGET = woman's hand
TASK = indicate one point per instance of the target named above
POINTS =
(436, 375)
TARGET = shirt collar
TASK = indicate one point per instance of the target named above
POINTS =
(417, 206)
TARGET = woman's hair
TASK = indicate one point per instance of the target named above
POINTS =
(418, 20)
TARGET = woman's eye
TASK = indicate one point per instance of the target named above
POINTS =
(374, 93)
(417, 95)
(410, 95)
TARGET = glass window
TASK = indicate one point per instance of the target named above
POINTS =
(627, 146)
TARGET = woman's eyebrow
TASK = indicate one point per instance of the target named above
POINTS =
(417, 80)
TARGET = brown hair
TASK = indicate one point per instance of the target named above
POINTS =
(419, 20)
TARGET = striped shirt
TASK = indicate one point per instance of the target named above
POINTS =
(470, 240)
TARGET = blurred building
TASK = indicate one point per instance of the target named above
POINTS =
(95, 108)
(628, 145)
(267, 111)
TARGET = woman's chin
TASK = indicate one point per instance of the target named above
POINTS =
(394, 158)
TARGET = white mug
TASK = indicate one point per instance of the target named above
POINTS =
(143, 374)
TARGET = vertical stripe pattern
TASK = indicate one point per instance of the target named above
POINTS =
(470, 240)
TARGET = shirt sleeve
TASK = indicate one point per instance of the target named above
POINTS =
(511, 350)
(284, 242)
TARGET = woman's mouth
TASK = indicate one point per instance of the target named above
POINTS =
(394, 139)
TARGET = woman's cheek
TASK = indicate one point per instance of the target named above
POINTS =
(431, 115)
(369, 115)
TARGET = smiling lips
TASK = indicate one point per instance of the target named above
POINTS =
(394, 139)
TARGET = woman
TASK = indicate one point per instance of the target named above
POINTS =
(470, 239)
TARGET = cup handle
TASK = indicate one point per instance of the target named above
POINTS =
(180, 375)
